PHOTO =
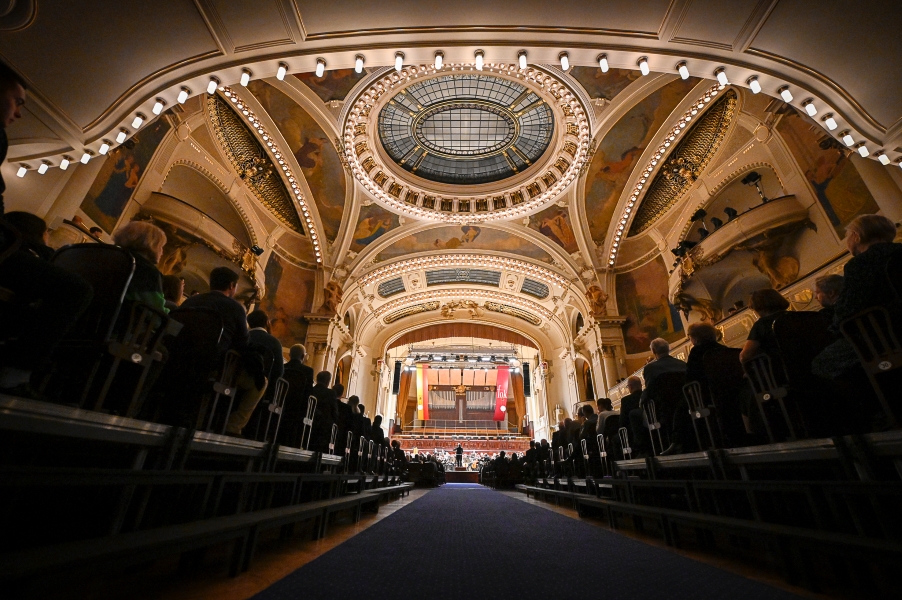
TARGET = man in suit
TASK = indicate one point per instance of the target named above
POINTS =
(270, 349)
(662, 363)
(300, 380)
(326, 412)
(459, 455)
(629, 405)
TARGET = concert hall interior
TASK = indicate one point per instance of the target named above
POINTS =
(411, 298)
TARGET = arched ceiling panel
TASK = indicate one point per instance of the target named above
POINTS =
(333, 85)
(463, 237)
(555, 224)
(461, 330)
(603, 86)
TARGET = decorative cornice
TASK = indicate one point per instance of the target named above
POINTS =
(514, 312)
(468, 260)
(410, 310)
(471, 293)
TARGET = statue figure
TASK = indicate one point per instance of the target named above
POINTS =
(598, 299)
(331, 298)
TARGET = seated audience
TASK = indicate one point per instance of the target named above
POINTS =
(269, 350)
(173, 291)
(378, 433)
(662, 363)
(630, 410)
(300, 379)
(826, 291)
(221, 299)
(768, 304)
(605, 410)
(33, 231)
(144, 241)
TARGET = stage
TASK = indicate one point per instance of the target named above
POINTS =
(461, 477)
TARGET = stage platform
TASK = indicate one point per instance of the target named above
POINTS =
(510, 444)
(461, 477)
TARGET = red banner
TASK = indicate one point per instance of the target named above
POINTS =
(501, 393)
(425, 392)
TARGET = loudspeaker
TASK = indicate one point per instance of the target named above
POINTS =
(396, 378)
(527, 384)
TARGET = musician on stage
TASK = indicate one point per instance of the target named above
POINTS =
(459, 455)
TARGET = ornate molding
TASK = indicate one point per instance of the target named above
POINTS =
(460, 293)
(466, 260)
(513, 311)
(410, 310)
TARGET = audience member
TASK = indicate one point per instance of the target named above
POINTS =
(826, 291)
(325, 414)
(605, 410)
(630, 411)
(662, 363)
(33, 231)
(367, 424)
(300, 380)
(264, 353)
(768, 304)
(12, 98)
(259, 334)
(173, 291)
(144, 241)
(378, 433)
(221, 299)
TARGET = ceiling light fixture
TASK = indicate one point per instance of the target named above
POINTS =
(847, 138)
(105, 146)
(480, 59)
(245, 77)
(122, 135)
(138, 120)
(22, 170)
(809, 107)
(64, 164)
(521, 59)
(643, 65)
(721, 74)
(785, 93)
(565, 61)
(862, 149)
(158, 106)
(320, 67)
(399, 61)
(212, 85)
(358, 63)
(86, 157)
(754, 85)
(43, 168)
(882, 157)
(603, 63)
(183, 95)
(829, 121)
(683, 70)
(439, 59)
(282, 71)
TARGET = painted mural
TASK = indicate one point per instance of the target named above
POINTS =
(120, 174)
(829, 169)
(289, 296)
(333, 85)
(621, 148)
(604, 85)
(642, 299)
(554, 223)
(372, 223)
(313, 150)
(465, 237)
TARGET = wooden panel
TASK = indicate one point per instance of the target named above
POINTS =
(455, 377)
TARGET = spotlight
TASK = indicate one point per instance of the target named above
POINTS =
(565, 61)
(603, 63)
(105, 146)
(399, 61)
(158, 106)
(480, 59)
(521, 58)
(754, 85)
(138, 121)
(64, 164)
(829, 121)
(754, 178)
(320, 67)
(847, 138)
(809, 107)
(471, 359)
(43, 168)
(882, 157)
(22, 170)
(120, 137)
(862, 149)
(438, 357)
(643, 65)
(211, 87)
(439, 59)
(245, 77)
(257, 250)
(282, 71)
(721, 74)
(683, 70)
(183, 95)
(358, 63)
(703, 232)
(698, 215)
(717, 223)
(785, 93)
(86, 157)
(731, 213)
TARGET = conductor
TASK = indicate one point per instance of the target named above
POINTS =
(459, 454)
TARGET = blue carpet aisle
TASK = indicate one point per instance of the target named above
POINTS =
(467, 541)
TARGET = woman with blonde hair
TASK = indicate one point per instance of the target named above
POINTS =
(145, 242)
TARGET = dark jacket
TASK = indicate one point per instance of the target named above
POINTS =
(665, 364)
(234, 318)
(695, 365)
(262, 338)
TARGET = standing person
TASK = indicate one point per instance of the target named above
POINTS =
(300, 380)
(662, 363)
(459, 455)
(263, 344)
(325, 414)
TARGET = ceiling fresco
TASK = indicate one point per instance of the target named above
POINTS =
(555, 224)
(603, 86)
(463, 237)
(372, 223)
(333, 85)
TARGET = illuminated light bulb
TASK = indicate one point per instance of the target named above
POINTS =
(809, 107)
(85, 158)
(565, 61)
(521, 58)
(862, 149)
(721, 75)
(105, 146)
(643, 66)
(785, 93)
(882, 157)
(283, 71)
(183, 95)
(754, 85)
(399, 61)
(847, 138)
(212, 85)
(683, 70)
(64, 164)
(120, 137)
(603, 63)
(43, 168)
(22, 170)
(358, 63)
(158, 106)
(138, 121)
(829, 121)
(480, 59)
(320, 67)
(439, 59)
(245, 77)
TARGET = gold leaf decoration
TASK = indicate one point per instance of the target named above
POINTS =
(251, 162)
(686, 163)
(410, 310)
(514, 312)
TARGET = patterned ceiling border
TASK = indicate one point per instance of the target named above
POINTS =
(514, 312)
(410, 311)
(459, 293)
(468, 260)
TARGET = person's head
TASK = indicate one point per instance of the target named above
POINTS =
(501, 454)
(588, 411)
(173, 288)
(143, 238)
(224, 280)
(567, 422)
(865, 230)
(297, 352)
(377, 421)
(701, 332)
(339, 390)
(604, 404)
(560, 425)
(32, 228)
(634, 384)
(12, 95)
(96, 231)
(660, 347)
(579, 411)
(258, 318)
(767, 302)
(323, 378)
(353, 401)
(827, 289)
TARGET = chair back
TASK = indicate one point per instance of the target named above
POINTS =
(726, 384)
(625, 443)
(109, 270)
(332, 438)
(276, 408)
(875, 342)
(894, 275)
(801, 336)
(760, 373)
(307, 430)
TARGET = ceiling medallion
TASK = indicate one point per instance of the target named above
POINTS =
(465, 146)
